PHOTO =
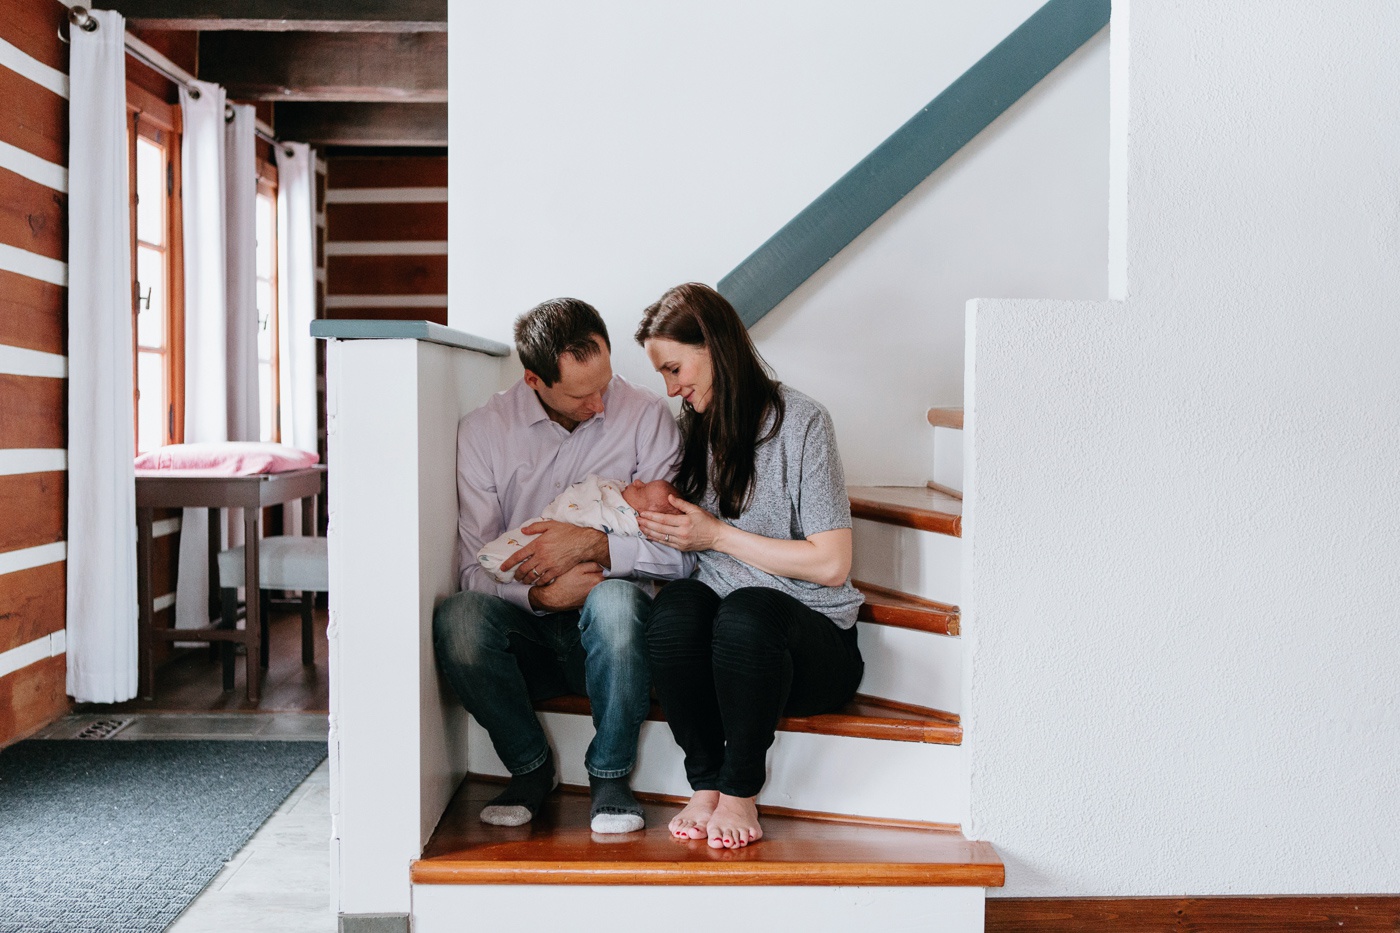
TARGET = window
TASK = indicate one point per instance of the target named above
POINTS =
(157, 295)
(270, 413)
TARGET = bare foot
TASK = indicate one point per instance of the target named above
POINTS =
(734, 824)
(690, 823)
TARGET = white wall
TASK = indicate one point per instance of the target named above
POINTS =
(1183, 507)
(613, 150)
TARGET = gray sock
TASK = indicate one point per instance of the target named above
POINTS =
(614, 809)
(522, 798)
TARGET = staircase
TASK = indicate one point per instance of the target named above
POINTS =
(861, 809)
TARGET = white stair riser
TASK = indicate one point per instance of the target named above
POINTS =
(948, 457)
(922, 563)
(508, 908)
(911, 667)
(826, 773)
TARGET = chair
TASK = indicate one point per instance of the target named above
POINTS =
(285, 562)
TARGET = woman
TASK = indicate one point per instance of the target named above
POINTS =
(767, 627)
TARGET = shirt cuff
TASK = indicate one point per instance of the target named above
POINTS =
(622, 554)
(517, 594)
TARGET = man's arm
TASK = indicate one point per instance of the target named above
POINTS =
(479, 515)
(658, 457)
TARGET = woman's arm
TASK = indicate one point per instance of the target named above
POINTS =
(824, 558)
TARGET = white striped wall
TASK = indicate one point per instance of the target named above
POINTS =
(20, 361)
(32, 460)
(29, 557)
(386, 301)
(386, 196)
(37, 650)
(25, 65)
(388, 248)
(28, 165)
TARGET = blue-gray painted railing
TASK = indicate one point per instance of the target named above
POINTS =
(793, 254)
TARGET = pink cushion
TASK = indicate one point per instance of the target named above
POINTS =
(232, 458)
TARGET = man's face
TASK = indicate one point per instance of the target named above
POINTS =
(578, 395)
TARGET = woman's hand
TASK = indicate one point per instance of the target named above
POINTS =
(693, 530)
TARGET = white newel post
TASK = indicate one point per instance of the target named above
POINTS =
(397, 739)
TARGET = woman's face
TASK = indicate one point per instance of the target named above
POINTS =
(686, 369)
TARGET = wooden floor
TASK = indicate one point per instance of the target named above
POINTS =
(191, 682)
(557, 847)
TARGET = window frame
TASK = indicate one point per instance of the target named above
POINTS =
(153, 119)
(267, 187)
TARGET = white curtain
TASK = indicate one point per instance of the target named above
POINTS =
(240, 163)
(102, 603)
(206, 322)
(296, 292)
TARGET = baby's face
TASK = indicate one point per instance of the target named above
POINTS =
(651, 497)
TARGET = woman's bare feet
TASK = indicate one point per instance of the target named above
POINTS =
(690, 823)
(734, 823)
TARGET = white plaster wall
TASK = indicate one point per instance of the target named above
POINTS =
(612, 150)
(1183, 512)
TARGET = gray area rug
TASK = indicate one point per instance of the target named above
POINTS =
(120, 836)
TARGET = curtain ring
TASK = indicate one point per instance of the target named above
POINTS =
(193, 91)
(80, 17)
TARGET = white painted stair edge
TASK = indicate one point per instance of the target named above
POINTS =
(507, 908)
(826, 773)
(921, 563)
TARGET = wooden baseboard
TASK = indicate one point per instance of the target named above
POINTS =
(1352, 914)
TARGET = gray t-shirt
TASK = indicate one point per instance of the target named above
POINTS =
(799, 490)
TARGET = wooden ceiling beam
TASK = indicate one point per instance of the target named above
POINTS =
(286, 15)
(325, 66)
(363, 124)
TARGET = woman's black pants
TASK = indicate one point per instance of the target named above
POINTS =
(726, 670)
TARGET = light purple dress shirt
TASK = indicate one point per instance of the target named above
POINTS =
(512, 460)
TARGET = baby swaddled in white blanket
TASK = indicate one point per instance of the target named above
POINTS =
(609, 505)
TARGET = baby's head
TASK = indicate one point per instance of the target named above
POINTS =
(651, 497)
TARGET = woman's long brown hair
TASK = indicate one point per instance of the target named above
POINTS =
(743, 391)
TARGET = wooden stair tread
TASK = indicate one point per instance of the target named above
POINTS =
(946, 417)
(909, 506)
(557, 847)
(884, 606)
(863, 718)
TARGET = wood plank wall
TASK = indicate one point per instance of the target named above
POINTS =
(386, 250)
(33, 364)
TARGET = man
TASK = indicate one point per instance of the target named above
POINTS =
(570, 621)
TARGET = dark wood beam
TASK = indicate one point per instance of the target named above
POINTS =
(286, 15)
(363, 124)
(311, 66)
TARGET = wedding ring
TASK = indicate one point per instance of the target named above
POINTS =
(668, 538)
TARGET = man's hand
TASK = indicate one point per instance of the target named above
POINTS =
(569, 590)
(558, 548)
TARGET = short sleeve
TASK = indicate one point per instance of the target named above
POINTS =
(821, 502)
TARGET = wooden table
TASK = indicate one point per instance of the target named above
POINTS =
(251, 494)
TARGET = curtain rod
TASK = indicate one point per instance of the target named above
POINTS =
(79, 16)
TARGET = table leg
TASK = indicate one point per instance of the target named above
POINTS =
(252, 618)
(216, 544)
(146, 674)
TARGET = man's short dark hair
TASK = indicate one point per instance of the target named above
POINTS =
(555, 327)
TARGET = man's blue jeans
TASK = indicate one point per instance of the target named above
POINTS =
(499, 658)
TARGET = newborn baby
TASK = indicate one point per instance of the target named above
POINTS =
(609, 505)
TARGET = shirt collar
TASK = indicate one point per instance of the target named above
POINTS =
(532, 411)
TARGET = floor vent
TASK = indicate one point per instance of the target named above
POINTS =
(102, 729)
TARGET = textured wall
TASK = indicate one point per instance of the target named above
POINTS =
(612, 150)
(1183, 509)
(33, 365)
